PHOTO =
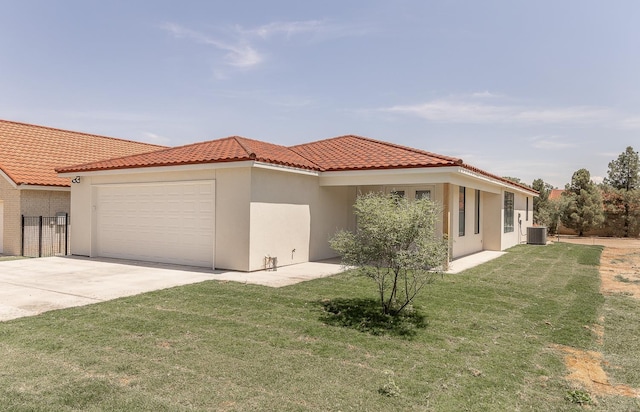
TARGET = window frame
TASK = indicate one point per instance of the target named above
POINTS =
(509, 212)
(462, 205)
(422, 191)
(477, 207)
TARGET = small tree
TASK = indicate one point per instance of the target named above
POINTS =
(624, 171)
(541, 207)
(584, 209)
(623, 176)
(396, 245)
(550, 213)
(622, 211)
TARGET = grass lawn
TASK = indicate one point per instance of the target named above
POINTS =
(478, 341)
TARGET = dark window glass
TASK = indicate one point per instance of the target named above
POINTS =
(461, 214)
(477, 228)
(508, 212)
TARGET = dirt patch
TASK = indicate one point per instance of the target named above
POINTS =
(619, 263)
(585, 368)
(619, 274)
(614, 242)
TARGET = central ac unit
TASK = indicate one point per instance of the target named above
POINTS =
(537, 235)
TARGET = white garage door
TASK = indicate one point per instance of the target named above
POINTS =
(164, 222)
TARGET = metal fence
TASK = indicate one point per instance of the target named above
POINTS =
(45, 235)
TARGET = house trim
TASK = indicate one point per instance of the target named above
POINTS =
(420, 175)
(10, 180)
(43, 187)
(190, 168)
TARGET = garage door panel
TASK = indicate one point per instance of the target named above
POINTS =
(172, 223)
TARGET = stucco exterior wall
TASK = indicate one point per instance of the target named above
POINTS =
(44, 202)
(233, 197)
(262, 210)
(10, 230)
(231, 211)
(470, 242)
(293, 218)
(492, 220)
(519, 234)
(17, 202)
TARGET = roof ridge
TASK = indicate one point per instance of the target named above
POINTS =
(293, 149)
(238, 139)
(80, 133)
(397, 146)
(163, 149)
(412, 149)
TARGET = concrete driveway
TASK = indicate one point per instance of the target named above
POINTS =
(32, 286)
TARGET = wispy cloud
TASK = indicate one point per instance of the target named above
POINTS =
(630, 123)
(244, 46)
(471, 111)
(286, 28)
(485, 94)
(239, 54)
(550, 143)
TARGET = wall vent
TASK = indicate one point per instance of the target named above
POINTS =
(537, 235)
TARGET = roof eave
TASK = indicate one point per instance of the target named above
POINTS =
(55, 188)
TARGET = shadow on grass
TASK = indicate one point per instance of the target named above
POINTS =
(365, 315)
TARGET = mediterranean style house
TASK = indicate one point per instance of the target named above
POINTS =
(238, 204)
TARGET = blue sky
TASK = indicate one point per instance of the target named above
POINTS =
(526, 89)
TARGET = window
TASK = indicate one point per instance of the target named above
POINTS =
(461, 206)
(508, 212)
(527, 215)
(398, 193)
(423, 194)
(477, 227)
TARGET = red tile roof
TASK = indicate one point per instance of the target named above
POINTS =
(555, 194)
(29, 153)
(341, 153)
(361, 153)
(229, 149)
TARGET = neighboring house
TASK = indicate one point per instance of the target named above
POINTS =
(233, 203)
(28, 183)
(555, 194)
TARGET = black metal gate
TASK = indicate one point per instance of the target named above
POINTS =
(45, 235)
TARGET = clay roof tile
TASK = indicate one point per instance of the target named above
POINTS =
(29, 154)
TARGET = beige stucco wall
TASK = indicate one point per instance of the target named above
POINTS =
(519, 234)
(29, 202)
(10, 198)
(233, 197)
(470, 242)
(232, 210)
(492, 220)
(269, 211)
(83, 201)
(44, 202)
(259, 212)
(292, 217)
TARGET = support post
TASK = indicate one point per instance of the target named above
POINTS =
(66, 234)
(40, 237)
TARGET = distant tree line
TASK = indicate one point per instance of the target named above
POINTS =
(612, 207)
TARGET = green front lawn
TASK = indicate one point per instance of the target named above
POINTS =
(479, 341)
